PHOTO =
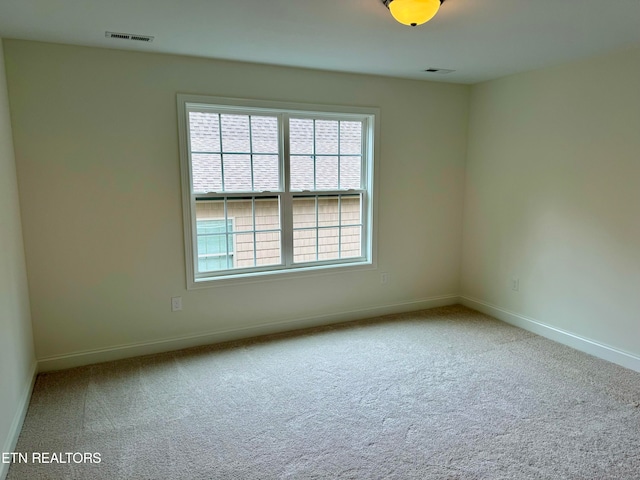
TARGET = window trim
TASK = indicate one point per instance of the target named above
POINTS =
(298, 110)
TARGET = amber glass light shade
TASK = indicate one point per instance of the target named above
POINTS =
(414, 12)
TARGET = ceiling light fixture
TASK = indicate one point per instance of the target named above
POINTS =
(413, 12)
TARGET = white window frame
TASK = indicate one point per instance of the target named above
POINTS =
(283, 110)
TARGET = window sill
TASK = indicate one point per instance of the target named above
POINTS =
(261, 277)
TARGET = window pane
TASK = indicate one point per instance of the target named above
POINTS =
(264, 134)
(267, 214)
(209, 210)
(268, 248)
(241, 211)
(204, 129)
(328, 244)
(350, 208)
(326, 173)
(214, 246)
(235, 133)
(328, 211)
(302, 173)
(211, 264)
(266, 173)
(350, 242)
(350, 172)
(350, 138)
(304, 245)
(208, 228)
(326, 137)
(237, 173)
(211, 244)
(268, 242)
(243, 243)
(206, 173)
(301, 136)
(304, 212)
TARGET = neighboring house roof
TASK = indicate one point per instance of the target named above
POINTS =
(248, 142)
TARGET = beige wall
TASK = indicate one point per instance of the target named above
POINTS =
(97, 146)
(550, 198)
(553, 196)
(17, 360)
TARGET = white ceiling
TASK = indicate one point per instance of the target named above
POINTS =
(480, 39)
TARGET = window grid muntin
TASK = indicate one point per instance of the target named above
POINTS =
(316, 222)
(253, 221)
(221, 154)
(234, 232)
(340, 162)
(339, 226)
(339, 155)
(340, 206)
(253, 185)
(285, 195)
(224, 153)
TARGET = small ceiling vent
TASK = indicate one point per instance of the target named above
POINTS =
(130, 36)
(440, 71)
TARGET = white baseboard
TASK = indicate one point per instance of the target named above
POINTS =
(18, 420)
(572, 340)
(76, 359)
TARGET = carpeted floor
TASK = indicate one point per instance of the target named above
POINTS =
(438, 394)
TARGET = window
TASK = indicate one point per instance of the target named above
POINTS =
(269, 187)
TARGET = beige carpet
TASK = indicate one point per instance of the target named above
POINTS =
(439, 394)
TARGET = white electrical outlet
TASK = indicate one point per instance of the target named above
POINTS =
(384, 278)
(515, 284)
(176, 304)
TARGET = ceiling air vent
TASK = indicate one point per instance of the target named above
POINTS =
(129, 36)
(440, 71)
